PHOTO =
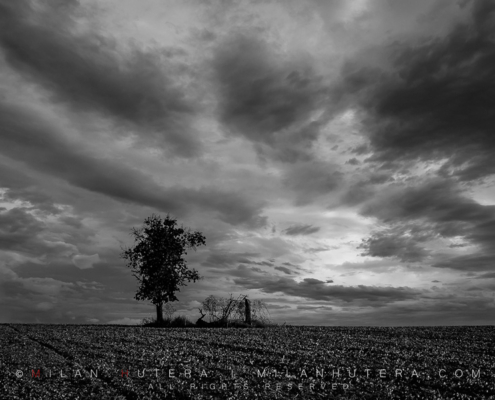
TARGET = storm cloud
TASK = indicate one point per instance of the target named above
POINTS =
(434, 97)
(310, 142)
(316, 289)
(433, 209)
(268, 99)
(40, 145)
(88, 72)
(301, 230)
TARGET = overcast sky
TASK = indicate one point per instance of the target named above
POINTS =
(337, 155)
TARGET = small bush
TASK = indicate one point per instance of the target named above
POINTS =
(180, 321)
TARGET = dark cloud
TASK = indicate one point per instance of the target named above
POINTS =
(23, 187)
(301, 230)
(317, 290)
(19, 230)
(311, 180)
(88, 72)
(462, 310)
(241, 271)
(438, 201)
(365, 186)
(71, 221)
(414, 129)
(285, 270)
(357, 193)
(314, 308)
(394, 244)
(313, 281)
(435, 100)
(265, 263)
(25, 136)
(277, 307)
(353, 161)
(259, 270)
(470, 262)
(41, 299)
(317, 249)
(488, 275)
(36, 196)
(225, 259)
(31, 286)
(25, 235)
(457, 245)
(433, 209)
(288, 264)
(232, 208)
(268, 98)
(360, 150)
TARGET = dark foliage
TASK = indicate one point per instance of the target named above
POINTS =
(157, 260)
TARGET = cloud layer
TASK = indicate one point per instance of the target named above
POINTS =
(336, 155)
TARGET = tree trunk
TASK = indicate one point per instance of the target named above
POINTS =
(247, 311)
(159, 312)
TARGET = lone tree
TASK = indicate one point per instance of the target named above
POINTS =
(157, 260)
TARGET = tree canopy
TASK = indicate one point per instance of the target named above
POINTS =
(157, 259)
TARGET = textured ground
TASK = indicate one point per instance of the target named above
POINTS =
(108, 362)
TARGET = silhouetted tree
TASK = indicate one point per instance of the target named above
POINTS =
(157, 260)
